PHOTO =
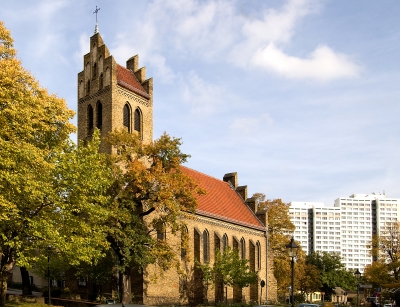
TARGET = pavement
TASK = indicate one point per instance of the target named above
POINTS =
(19, 292)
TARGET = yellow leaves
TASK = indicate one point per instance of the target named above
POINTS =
(6, 42)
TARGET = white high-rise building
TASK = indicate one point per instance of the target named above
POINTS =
(346, 228)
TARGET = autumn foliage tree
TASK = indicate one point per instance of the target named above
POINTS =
(279, 229)
(385, 249)
(150, 196)
(42, 195)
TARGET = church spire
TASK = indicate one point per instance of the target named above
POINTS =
(96, 28)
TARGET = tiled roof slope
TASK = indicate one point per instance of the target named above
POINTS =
(127, 79)
(222, 201)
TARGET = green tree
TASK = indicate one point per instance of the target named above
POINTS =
(50, 190)
(332, 271)
(229, 269)
(309, 280)
(150, 196)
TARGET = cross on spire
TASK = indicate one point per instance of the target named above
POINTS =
(96, 28)
(96, 11)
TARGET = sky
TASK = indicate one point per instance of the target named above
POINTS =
(299, 97)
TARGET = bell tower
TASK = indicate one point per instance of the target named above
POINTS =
(113, 97)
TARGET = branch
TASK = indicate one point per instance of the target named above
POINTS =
(147, 212)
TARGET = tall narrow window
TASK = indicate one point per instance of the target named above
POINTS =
(224, 242)
(101, 81)
(242, 248)
(99, 117)
(90, 119)
(217, 245)
(258, 255)
(196, 245)
(206, 247)
(161, 232)
(88, 87)
(137, 120)
(94, 70)
(127, 117)
(184, 238)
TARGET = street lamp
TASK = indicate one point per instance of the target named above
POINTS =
(292, 250)
(357, 274)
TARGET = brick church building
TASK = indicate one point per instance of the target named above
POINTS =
(111, 96)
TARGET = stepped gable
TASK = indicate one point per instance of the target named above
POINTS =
(222, 201)
(127, 79)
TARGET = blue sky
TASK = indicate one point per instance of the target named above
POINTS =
(300, 97)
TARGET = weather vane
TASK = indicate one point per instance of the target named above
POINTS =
(96, 29)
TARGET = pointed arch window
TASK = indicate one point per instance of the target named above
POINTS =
(184, 238)
(99, 115)
(206, 246)
(90, 119)
(258, 255)
(127, 117)
(137, 121)
(242, 248)
(94, 70)
(224, 242)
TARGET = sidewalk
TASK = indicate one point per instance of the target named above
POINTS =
(19, 292)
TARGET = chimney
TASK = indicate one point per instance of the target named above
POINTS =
(242, 191)
(232, 178)
(252, 204)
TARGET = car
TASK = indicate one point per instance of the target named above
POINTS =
(308, 305)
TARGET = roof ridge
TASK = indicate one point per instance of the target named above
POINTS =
(209, 176)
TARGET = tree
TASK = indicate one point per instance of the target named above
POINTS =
(50, 190)
(279, 223)
(385, 249)
(279, 228)
(150, 196)
(229, 269)
(309, 280)
(332, 271)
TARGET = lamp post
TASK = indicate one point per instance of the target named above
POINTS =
(357, 273)
(292, 250)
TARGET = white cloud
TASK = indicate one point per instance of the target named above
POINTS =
(217, 30)
(322, 64)
(251, 125)
(205, 98)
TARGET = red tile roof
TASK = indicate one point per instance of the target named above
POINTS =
(127, 79)
(222, 201)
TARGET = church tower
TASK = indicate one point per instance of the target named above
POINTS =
(113, 97)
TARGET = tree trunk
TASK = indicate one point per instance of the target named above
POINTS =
(3, 287)
(125, 286)
(26, 283)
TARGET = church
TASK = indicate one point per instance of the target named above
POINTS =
(112, 96)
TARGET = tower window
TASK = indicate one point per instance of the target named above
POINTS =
(90, 119)
(88, 87)
(101, 81)
(161, 231)
(137, 121)
(94, 70)
(127, 118)
(99, 117)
